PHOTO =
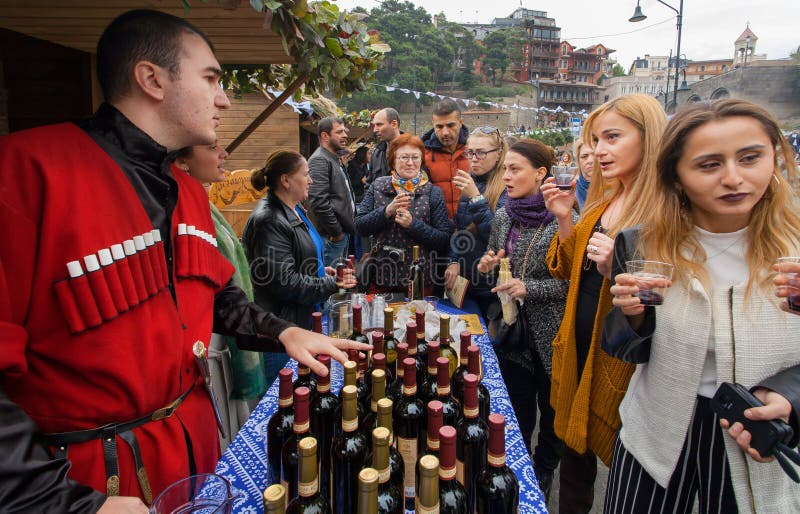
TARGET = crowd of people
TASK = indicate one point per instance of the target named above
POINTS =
(103, 406)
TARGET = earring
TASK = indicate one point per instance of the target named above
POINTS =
(186, 168)
(777, 180)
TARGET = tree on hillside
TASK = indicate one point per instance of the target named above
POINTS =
(618, 70)
(502, 48)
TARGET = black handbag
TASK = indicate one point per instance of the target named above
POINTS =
(619, 340)
(505, 337)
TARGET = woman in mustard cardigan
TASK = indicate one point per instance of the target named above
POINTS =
(588, 384)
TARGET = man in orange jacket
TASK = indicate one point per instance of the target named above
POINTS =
(444, 151)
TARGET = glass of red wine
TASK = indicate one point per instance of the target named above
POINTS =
(564, 176)
(652, 277)
(791, 266)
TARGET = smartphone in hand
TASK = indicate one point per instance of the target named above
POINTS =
(731, 400)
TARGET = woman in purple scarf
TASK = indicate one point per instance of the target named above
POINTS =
(522, 230)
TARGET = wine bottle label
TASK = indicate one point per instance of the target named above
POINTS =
(410, 391)
(285, 402)
(412, 350)
(383, 475)
(349, 425)
(408, 449)
(447, 473)
(421, 509)
(470, 413)
(299, 428)
(308, 488)
(391, 356)
(497, 461)
(323, 388)
(433, 444)
(433, 371)
(460, 471)
(443, 391)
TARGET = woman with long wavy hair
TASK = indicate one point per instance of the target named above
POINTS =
(482, 193)
(588, 384)
(722, 213)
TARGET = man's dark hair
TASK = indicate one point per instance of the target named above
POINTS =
(446, 107)
(326, 124)
(140, 35)
(392, 115)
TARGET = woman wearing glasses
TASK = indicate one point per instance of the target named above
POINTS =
(482, 193)
(400, 211)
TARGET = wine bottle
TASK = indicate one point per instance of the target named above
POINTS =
(322, 416)
(310, 500)
(289, 455)
(427, 500)
(365, 386)
(358, 327)
(476, 368)
(408, 427)
(427, 390)
(471, 443)
(389, 341)
(390, 497)
(304, 376)
(280, 425)
(452, 496)
(378, 392)
(378, 348)
(422, 343)
(445, 350)
(275, 499)
(394, 391)
(416, 279)
(350, 378)
(457, 379)
(396, 465)
(432, 440)
(348, 454)
(411, 341)
(451, 408)
(368, 491)
(496, 487)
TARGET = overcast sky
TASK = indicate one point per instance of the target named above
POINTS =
(709, 26)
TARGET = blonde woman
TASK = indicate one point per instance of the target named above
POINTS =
(482, 193)
(588, 384)
(722, 214)
(585, 158)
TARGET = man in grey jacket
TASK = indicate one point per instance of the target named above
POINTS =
(331, 205)
(386, 127)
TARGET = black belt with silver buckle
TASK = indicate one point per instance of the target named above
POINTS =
(62, 440)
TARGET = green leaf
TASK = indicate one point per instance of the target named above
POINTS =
(300, 8)
(333, 45)
(342, 68)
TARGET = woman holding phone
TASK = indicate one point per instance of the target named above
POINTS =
(722, 214)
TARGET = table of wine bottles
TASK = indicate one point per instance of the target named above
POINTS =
(244, 463)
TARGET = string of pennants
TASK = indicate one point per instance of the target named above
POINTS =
(467, 102)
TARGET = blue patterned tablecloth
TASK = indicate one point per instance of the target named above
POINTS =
(244, 463)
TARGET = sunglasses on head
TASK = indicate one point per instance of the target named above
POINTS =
(488, 130)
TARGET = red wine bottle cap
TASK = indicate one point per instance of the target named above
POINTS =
(443, 375)
(326, 380)
(285, 387)
(402, 351)
(497, 439)
(466, 341)
(420, 318)
(411, 336)
(340, 272)
(351, 261)
(435, 416)
(474, 360)
(357, 316)
(301, 395)
(352, 354)
(447, 452)
(409, 376)
(433, 354)
(470, 396)
(379, 361)
(377, 343)
(316, 322)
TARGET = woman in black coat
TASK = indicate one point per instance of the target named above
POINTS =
(284, 249)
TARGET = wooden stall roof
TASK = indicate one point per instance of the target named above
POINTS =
(238, 35)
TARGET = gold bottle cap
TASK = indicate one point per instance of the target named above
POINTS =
(275, 493)
(308, 446)
(368, 476)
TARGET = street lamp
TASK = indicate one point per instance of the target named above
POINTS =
(639, 16)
